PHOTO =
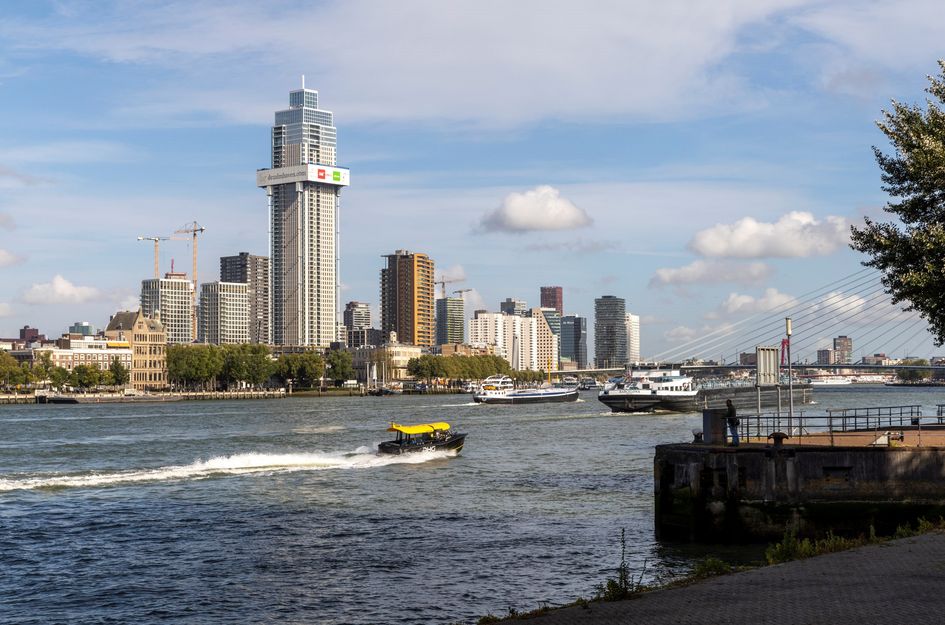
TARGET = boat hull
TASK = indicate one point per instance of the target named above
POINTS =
(744, 397)
(454, 443)
(526, 398)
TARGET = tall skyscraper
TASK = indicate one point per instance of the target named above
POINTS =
(610, 331)
(450, 320)
(633, 337)
(303, 187)
(172, 298)
(407, 298)
(553, 297)
(525, 342)
(512, 306)
(843, 348)
(357, 315)
(254, 272)
(224, 313)
(574, 340)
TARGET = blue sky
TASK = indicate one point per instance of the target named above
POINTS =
(689, 157)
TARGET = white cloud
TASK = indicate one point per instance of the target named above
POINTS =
(129, 302)
(796, 234)
(711, 272)
(541, 208)
(65, 152)
(5, 310)
(680, 334)
(59, 291)
(8, 258)
(772, 299)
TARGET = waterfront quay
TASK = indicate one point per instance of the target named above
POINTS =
(849, 471)
(893, 582)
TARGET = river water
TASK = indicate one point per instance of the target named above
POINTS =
(281, 511)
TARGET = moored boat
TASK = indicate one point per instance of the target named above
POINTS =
(422, 437)
(670, 390)
(499, 389)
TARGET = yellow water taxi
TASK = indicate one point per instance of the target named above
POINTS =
(422, 437)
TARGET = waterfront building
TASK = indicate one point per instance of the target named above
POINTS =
(224, 313)
(147, 339)
(879, 359)
(83, 328)
(826, 357)
(362, 337)
(31, 335)
(407, 298)
(524, 342)
(450, 320)
(303, 186)
(512, 306)
(574, 340)
(76, 349)
(633, 337)
(843, 350)
(172, 297)
(610, 332)
(253, 271)
(382, 364)
(553, 297)
(748, 359)
(357, 315)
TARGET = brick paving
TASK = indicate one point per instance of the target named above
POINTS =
(901, 581)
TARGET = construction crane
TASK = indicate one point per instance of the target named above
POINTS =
(157, 255)
(461, 293)
(443, 282)
(193, 229)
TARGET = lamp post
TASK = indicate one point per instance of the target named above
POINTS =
(790, 378)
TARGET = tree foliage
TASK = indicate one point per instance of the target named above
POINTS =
(458, 367)
(305, 369)
(914, 375)
(119, 372)
(204, 367)
(910, 252)
(338, 365)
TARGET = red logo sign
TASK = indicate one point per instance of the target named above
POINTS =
(321, 174)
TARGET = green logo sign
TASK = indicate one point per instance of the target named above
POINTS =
(336, 176)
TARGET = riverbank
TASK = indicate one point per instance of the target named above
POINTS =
(121, 398)
(891, 582)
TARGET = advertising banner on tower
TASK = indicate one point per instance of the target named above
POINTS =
(323, 174)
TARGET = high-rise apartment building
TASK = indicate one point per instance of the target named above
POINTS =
(253, 271)
(826, 357)
(172, 298)
(610, 331)
(357, 315)
(224, 313)
(633, 337)
(553, 297)
(525, 342)
(512, 306)
(407, 298)
(574, 340)
(450, 320)
(303, 187)
(843, 350)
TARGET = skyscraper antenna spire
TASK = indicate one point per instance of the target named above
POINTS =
(303, 81)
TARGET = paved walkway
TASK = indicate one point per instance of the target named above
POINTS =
(901, 581)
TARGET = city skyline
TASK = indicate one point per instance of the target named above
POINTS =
(718, 187)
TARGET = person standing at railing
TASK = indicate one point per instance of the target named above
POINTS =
(731, 417)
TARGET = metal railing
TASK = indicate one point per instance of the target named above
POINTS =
(835, 421)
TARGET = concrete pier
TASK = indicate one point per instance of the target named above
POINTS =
(754, 492)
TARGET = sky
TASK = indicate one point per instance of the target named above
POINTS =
(704, 161)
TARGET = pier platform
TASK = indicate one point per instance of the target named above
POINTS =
(895, 582)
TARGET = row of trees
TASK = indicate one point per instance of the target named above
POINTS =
(42, 373)
(466, 368)
(205, 367)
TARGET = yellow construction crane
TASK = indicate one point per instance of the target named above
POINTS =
(192, 229)
(157, 256)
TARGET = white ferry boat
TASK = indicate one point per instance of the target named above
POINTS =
(500, 389)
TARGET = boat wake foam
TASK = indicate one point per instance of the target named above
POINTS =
(236, 464)
(469, 403)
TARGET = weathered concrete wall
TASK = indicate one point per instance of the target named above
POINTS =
(711, 493)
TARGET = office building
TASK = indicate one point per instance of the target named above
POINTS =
(552, 316)
(553, 297)
(407, 298)
(633, 337)
(524, 342)
(357, 315)
(450, 320)
(574, 340)
(843, 350)
(172, 298)
(303, 187)
(224, 313)
(364, 337)
(148, 342)
(512, 306)
(826, 357)
(83, 328)
(253, 271)
(610, 332)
